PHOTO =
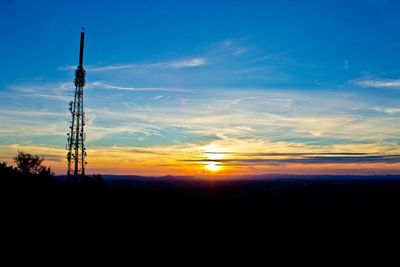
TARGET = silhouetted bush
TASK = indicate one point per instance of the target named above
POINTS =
(29, 164)
(30, 173)
(7, 171)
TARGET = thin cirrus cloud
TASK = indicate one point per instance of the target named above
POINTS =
(103, 85)
(62, 91)
(175, 64)
(377, 83)
(173, 108)
(391, 111)
(188, 63)
(230, 63)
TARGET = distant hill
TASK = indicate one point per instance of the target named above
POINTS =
(170, 181)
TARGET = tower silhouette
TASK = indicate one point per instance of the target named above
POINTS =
(76, 136)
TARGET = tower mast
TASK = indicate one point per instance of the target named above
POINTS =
(76, 136)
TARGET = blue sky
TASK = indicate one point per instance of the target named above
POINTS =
(326, 41)
(178, 76)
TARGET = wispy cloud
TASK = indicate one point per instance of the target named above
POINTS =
(174, 64)
(179, 64)
(227, 63)
(239, 51)
(377, 82)
(233, 47)
(158, 97)
(174, 107)
(387, 110)
(237, 101)
(102, 85)
(110, 67)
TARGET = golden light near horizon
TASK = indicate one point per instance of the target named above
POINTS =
(213, 154)
(212, 166)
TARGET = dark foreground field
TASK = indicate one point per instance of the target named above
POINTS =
(172, 197)
(169, 213)
(316, 193)
(165, 208)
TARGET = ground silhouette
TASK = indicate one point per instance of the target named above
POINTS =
(31, 189)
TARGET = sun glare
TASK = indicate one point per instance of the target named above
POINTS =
(213, 154)
(212, 166)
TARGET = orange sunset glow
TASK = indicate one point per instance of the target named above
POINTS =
(205, 118)
(207, 100)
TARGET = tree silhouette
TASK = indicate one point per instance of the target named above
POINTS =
(28, 164)
(7, 171)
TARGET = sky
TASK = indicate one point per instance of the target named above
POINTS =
(206, 87)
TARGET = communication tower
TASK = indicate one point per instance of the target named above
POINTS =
(75, 142)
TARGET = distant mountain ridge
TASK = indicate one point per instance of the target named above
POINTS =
(129, 179)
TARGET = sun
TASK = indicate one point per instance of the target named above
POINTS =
(214, 154)
(212, 166)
